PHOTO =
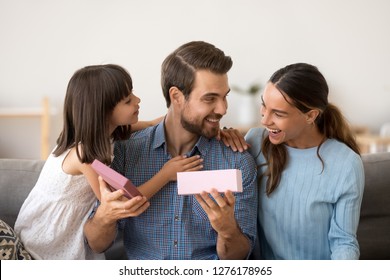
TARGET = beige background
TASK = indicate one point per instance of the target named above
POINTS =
(44, 41)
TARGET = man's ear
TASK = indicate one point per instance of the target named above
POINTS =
(176, 95)
(312, 116)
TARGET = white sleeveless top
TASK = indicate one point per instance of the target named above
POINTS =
(50, 222)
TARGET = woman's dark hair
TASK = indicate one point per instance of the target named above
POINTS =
(91, 96)
(179, 68)
(307, 89)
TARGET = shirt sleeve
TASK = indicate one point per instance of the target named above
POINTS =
(246, 202)
(119, 157)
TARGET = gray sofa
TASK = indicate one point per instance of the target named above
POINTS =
(17, 177)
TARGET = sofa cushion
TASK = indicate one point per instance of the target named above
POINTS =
(11, 248)
(374, 227)
(18, 177)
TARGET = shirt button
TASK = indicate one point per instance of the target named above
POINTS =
(175, 243)
(176, 218)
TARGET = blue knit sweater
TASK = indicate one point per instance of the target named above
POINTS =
(314, 212)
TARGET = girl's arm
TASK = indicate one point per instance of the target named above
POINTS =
(144, 124)
(168, 173)
(72, 166)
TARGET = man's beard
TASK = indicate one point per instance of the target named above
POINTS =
(198, 129)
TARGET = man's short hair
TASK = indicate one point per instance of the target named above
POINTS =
(179, 68)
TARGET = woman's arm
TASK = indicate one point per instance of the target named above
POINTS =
(345, 219)
(233, 138)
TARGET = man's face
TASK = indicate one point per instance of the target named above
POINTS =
(206, 105)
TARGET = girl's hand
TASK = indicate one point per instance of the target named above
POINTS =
(233, 138)
(181, 164)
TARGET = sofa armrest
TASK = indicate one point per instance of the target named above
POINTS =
(374, 227)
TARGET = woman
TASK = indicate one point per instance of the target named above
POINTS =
(311, 175)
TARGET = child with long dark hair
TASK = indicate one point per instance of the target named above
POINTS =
(99, 108)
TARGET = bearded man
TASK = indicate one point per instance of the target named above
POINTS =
(204, 226)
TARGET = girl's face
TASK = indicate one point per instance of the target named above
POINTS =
(284, 122)
(125, 112)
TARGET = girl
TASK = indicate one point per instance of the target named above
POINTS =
(99, 108)
(311, 174)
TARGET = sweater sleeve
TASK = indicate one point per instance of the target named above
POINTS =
(345, 218)
(254, 138)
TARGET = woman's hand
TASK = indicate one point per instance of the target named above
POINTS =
(233, 138)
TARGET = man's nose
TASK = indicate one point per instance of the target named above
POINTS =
(221, 107)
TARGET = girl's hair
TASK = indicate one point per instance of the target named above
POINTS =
(92, 94)
(307, 89)
(179, 68)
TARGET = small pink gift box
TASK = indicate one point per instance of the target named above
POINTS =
(115, 180)
(194, 182)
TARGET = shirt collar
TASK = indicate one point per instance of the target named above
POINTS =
(200, 148)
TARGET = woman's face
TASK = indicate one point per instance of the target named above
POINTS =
(284, 122)
(125, 112)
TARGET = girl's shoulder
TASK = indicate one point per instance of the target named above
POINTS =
(71, 164)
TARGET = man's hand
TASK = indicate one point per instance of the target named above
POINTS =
(100, 230)
(220, 211)
(115, 206)
(231, 242)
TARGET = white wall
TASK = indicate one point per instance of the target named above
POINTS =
(44, 41)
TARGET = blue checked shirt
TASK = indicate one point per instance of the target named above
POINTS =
(175, 226)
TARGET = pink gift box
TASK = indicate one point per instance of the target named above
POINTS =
(194, 182)
(115, 180)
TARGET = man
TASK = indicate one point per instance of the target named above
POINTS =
(205, 226)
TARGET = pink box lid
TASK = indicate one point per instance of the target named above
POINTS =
(115, 179)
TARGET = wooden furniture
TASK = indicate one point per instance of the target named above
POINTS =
(368, 143)
(373, 143)
(42, 113)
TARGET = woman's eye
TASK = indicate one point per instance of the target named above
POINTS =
(279, 115)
